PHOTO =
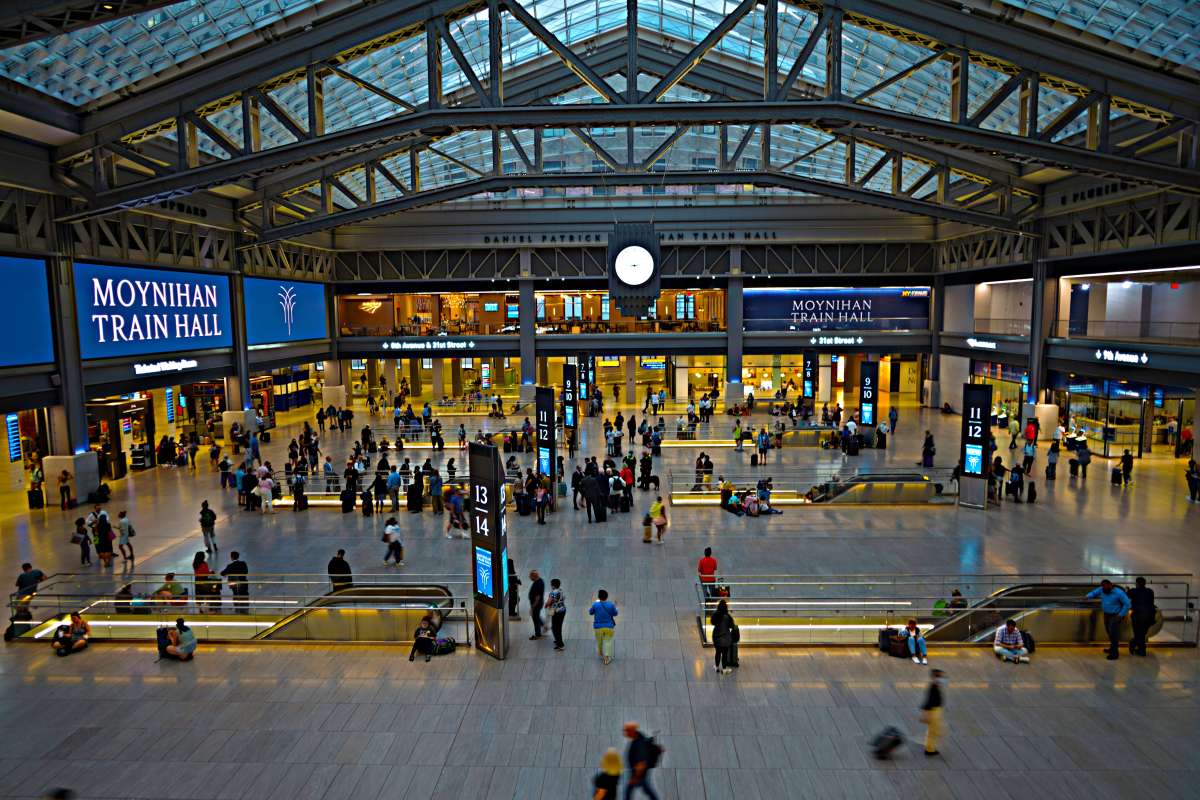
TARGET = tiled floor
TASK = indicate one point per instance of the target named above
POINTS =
(306, 722)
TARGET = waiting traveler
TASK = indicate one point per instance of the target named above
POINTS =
(178, 643)
(1141, 615)
(916, 642)
(1115, 605)
(723, 630)
(424, 640)
(73, 637)
(1009, 644)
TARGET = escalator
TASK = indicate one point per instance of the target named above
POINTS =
(393, 613)
(892, 489)
(1051, 612)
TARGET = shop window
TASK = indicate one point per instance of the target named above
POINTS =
(685, 306)
(572, 307)
(604, 308)
(426, 363)
(541, 309)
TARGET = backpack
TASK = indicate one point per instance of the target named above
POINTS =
(654, 752)
(444, 646)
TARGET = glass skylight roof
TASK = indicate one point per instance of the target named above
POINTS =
(94, 62)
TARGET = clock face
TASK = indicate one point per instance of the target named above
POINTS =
(634, 265)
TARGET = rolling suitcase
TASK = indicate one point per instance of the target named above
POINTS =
(368, 507)
(852, 446)
(625, 504)
(36, 498)
(1031, 494)
(265, 437)
(1115, 477)
(1073, 465)
(886, 741)
(347, 501)
(754, 459)
(601, 512)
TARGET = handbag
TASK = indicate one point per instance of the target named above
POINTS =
(78, 538)
(132, 532)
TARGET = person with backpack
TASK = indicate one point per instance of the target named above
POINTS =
(391, 537)
(642, 757)
(723, 627)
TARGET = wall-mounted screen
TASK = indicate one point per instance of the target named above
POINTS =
(130, 311)
(284, 311)
(873, 308)
(25, 324)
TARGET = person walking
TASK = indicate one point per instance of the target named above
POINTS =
(124, 533)
(395, 547)
(82, 538)
(1126, 468)
(340, 575)
(931, 711)
(1084, 456)
(235, 573)
(103, 540)
(1192, 477)
(537, 598)
(658, 517)
(604, 784)
(1115, 605)
(722, 637)
(64, 489)
(642, 756)
(28, 580)
(1141, 615)
(556, 607)
(208, 525)
(893, 416)
(604, 622)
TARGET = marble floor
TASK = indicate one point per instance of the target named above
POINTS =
(259, 721)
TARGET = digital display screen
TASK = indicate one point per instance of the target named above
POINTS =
(12, 429)
(569, 416)
(868, 414)
(284, 311)
(608, 361)
(973, 461)
(484, 577)
(491, 306)
(26, 318)
(127, 311)
(485, 374)
(654, 362)
(513, 311)
(504, 568)
(170, 404)
(544, 460)
(808, 389)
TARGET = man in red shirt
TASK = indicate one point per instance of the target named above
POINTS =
(708, 572)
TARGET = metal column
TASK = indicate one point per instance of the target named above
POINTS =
(528, 323)
(733, 351)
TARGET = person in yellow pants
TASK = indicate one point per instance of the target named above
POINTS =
(931, 712)
(603, 613)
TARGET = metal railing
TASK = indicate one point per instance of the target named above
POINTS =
(1002, 326)
(1130, 330)
(824, 482)
(312, 607)
(852, 609)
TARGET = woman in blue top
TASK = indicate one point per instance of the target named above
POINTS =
(183, 642)
(604, 621)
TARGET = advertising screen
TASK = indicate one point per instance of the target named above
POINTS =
(878, 308)
(284, 311)
(26, 318)
(491, 306)
(654, 362)
(484, 573)
(129, 311)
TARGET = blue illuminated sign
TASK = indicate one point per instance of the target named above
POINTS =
(483, 571)
(796, 309)
(544, 460)
(12, 428)
(170, 393)
(973, 463)
(569, 416)
(126, 311)
(25, 325)
(284, 311)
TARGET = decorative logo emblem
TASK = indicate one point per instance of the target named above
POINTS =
(287, 301)
(371, 306)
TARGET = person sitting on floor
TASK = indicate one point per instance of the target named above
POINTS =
(916, 642)
(1009, 644)
(179, 643)
(424, 640)
(73, 637)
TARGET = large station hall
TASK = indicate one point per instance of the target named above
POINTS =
(600, 399)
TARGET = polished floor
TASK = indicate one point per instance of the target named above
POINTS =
(289, 722)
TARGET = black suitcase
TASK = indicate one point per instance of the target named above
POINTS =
(852, 446)
(1028, 640)
(1073, 465)
(625, 504)
(601, 512)
(1116, 476)
(1031, 493)
(886, 741)
(885, 638)
(265, 437)
(372, 447)
(754, 459)
(347, 501)
(36, 498)
(301, 502)
(1050, 470)
(368, 505)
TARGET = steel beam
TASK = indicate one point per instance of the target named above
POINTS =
(828, 115)
(568, 56)
(23, 21)
(694, 56)
(504, 183)
(1046, 53)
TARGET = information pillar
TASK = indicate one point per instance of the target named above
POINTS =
(489, 549)
(547, 463)
(868, 393)
(811, 373)
(570, 407)
(974, 454)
